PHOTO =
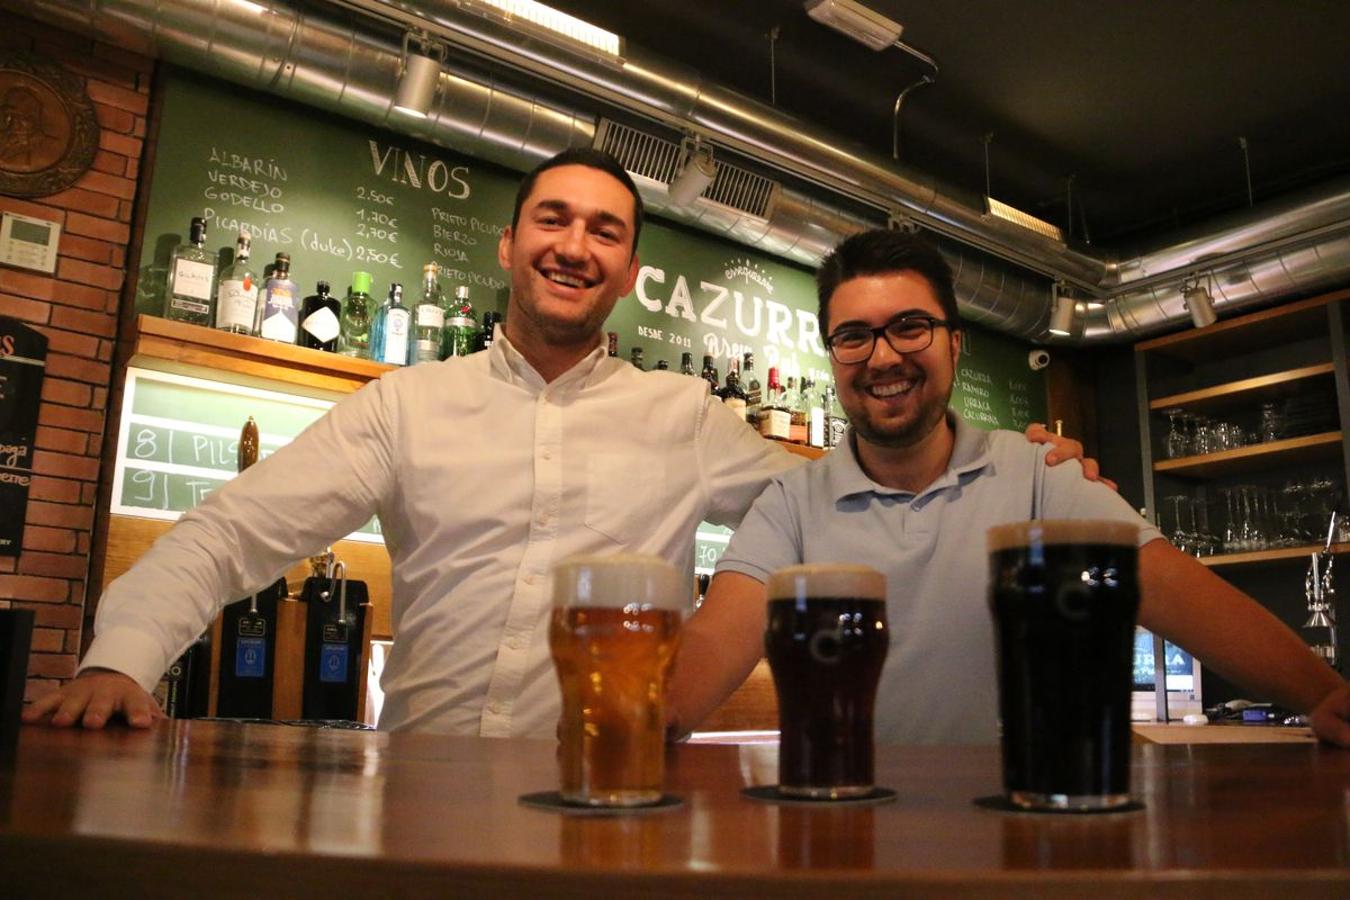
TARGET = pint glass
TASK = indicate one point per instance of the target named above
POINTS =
(826, 641)
(615, 626)
(1064, 595)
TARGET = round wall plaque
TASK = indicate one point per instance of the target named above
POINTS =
(48, 132)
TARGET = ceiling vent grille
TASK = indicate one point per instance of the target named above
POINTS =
(658, 159)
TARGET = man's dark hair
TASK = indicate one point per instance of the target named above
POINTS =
(882, 252)
(593, 159)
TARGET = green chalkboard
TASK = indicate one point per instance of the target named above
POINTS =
(336, 195)
(178, 439)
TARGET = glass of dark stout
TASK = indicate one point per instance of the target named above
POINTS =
(826, 641)
(1064, 595)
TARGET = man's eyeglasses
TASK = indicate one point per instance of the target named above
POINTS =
(909, 333)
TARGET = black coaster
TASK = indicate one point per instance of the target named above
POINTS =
(553, 802)
(770, 793)
(1000, 803)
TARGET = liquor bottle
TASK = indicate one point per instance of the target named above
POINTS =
(429, 318)
(687, 364)
(389, 337)
(662, 365)
(488, 333)
(237, 297)
(750, 384)
(835, 423)
(635, 357)
(192, 275)
(319, 326)
(613, 343)
(278, 310)
(797, 410)
(775, 421)
(815, 418)
(461, 326)
(709, 374)
(356, 316)
(732, 395)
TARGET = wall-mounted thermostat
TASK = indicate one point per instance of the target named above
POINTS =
(28, 243)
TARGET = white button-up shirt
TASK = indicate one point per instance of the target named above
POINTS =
(484, 476)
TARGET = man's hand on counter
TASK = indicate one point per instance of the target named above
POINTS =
(93, 699)
(1330, 719)
(1065, 449)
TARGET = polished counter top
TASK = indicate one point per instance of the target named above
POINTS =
(216, 809)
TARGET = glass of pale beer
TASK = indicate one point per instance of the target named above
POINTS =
(1064, 595)
(826, 642)
(615, 627)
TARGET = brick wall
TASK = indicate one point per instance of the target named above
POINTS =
(77, 310)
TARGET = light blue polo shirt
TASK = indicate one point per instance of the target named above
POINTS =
(939, 683)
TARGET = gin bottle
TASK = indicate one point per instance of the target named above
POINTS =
(319, 326)
(192, 273)
(775, 419)
(461, 328)
(389, 342)
(429, 318)
(355, 319)
(687, 364)
(279, 310)
(237, 299)
(733, 395)
(835, 423)
(753, 394)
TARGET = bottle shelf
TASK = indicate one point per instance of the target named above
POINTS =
(1256, 557)
(1249, 392)
(803, 450)
(1255, 457)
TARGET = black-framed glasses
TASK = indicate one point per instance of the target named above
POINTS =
(908, 333)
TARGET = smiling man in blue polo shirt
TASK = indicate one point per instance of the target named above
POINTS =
(912, 491)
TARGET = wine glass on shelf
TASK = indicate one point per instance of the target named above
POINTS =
(1175, 444)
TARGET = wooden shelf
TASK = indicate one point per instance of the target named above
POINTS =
(803, 450)
(1256, 557)
(158, 338)
(1254, 458)
(1255, 331)
(1248, 391)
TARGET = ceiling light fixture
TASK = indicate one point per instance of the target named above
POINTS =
(694, 176)
(419, 76)
(1064, 311)
(1199, 303)
(560, 24)
(857, 21)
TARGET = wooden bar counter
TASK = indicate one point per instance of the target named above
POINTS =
(215, 809)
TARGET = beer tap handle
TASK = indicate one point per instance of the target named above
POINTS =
(247, 455)
(340, 576)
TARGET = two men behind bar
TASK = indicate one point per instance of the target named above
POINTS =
(584, 454)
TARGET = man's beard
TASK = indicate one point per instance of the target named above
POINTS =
(896, 437)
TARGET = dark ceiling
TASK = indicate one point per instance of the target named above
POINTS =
(1141, 102)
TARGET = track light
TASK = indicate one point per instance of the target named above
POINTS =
(420, 76)
(1199, 303)
(857, 21)
(1062, 316)
(694, 176)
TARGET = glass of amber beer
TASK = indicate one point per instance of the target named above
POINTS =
(1064, 595)
(826, 641)
(615, 626)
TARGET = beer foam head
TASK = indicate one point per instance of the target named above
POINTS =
(620, 579)
(1062, 531)
(827, 580)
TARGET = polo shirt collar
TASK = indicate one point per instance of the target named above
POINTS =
(970, 454)
(508, 364)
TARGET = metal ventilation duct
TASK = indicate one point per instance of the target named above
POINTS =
(347, 61)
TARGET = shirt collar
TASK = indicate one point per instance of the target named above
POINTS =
(508, 364)
(970, 453)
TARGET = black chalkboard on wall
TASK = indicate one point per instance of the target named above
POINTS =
(23, 365)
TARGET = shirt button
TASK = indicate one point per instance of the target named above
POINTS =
(514, 643)
(530, 579)
(547, 454)
(495, 708)
(543, 518)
